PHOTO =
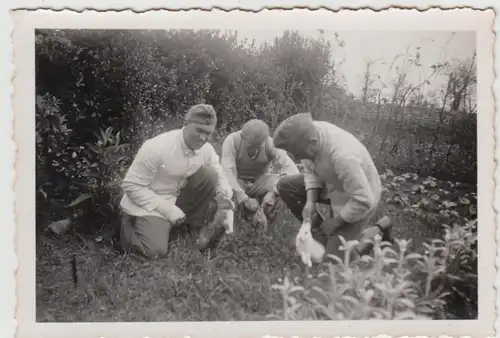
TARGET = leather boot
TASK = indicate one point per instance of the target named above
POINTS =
(210, 236)
(383, 227)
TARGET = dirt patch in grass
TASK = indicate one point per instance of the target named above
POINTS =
(232, 284)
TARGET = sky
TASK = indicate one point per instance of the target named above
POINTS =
(362, 46)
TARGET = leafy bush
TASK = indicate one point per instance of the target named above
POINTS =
(52, 138)
(101, 167)
(89, 173)
(392, 284)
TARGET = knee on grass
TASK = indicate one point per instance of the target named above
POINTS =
(155, 252)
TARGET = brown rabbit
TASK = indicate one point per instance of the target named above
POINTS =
(259, 219)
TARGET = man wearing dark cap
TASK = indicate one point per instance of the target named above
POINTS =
(171, 181)
(338, 170)
(247, 155)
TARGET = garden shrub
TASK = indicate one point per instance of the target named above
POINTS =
(101, 168)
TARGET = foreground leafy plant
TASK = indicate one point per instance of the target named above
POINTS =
(393, 283)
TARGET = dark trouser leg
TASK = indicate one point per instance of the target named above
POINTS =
(195, 200)
(147, 235)
(196, 196)
(292, 191)
(262, 186)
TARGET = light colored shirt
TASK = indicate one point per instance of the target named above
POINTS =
(238, 165)
(161, 169)
(345, 168)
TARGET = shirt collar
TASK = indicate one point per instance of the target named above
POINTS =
(186, 150)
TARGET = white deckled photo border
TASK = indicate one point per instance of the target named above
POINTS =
(24, 24)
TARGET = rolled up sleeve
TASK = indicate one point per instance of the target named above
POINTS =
(281, 161)
(311, 180)
(355, 183)
(136, 183)
(228, 163)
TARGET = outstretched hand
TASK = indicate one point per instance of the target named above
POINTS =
(251, 205)
(173, 214)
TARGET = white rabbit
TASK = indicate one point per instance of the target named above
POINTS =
(308, 248)
(225, 214)
(228, 221)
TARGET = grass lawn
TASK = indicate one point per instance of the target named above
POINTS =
(233, 284)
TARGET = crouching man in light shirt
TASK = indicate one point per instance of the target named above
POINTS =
(339, 171)
(247, 155)
(172, 181)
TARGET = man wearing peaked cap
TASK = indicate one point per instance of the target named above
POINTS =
(172, 181)
(247, 155)
(338, 171)
(292, 132)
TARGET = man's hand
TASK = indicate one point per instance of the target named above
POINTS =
(331, 225)
(308, 211)
(177, 216)
(251, 204)
(248, 203)
(173, 213)
(224, 203)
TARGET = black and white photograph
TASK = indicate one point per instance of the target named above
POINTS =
(328, 172)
